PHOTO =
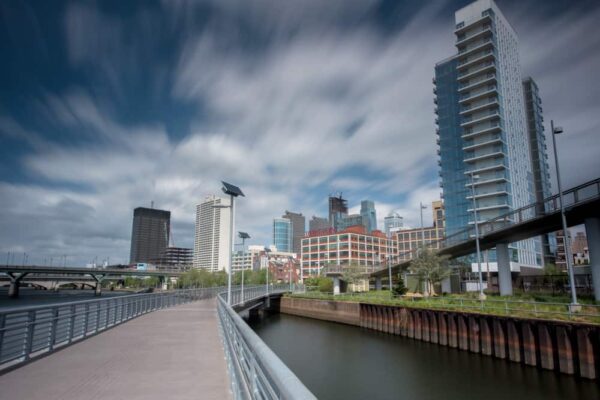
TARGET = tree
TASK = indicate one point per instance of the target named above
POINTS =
(431, 268)
(353, 273)
(399, 289)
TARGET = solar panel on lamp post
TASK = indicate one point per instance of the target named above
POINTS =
(233, 192)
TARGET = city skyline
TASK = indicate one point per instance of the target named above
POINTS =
(85, 140)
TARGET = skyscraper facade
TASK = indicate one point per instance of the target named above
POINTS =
(367, 210)
(212, 243)
(483, 140)
(149, 234)
(282, 234)
(392, 222)
(338, 209)
(298, 229)
(539, 158)
(318, 224)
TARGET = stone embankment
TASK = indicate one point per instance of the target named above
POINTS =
(571, 348)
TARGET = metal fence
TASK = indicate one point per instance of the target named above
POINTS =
(29, 332)
(255, 371)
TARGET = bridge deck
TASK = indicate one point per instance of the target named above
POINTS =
(174, 353)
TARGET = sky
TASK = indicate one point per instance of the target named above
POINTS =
(108, 105)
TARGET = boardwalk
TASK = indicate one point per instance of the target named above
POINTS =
(174, 353)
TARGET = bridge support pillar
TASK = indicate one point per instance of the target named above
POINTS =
(378, 283)
(98, 288)
(504, 276)
(336, 285)
(15, 283)
(592, 231)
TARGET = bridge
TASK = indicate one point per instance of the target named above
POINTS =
(17, 274)
(582, 206)
(183, 344)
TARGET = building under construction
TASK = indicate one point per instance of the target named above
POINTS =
(338, 209)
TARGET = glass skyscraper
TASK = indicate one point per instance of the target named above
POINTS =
(482, 134)
(282, 234)
(367, 210)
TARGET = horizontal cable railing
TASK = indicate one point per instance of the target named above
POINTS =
(255, 371)
(29, 332)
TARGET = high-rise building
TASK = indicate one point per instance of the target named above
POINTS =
(212, 244)
(392, 222)
(149, 234)
(318, 224)
(282, 234)
(482, 127)
(352, 220)
(298, 229)
(367, 210)
(539, 158)
(338, 209)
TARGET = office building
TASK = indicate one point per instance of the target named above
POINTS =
(393, 222)
(212, 244)
(367, 210)
(298, 229)
(282, 234)
(149, 234)
(539, 158)
(482, 134)
(351, 220)
(338, 209)
(175, 256)
(350, 246)
(318, 224)
(409, 240)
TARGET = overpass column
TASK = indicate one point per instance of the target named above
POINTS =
(98, 288)
(15, 283)
(377, 283)
(336, 285)
(592, 231)
(504, 276)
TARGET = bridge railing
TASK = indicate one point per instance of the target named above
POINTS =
(29, 332)
(255, 371)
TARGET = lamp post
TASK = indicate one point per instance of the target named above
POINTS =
(243, 236)
(389, 260)
(476, 223)
(267, 251)
(421, 208)
(557, 131)
(233, 192)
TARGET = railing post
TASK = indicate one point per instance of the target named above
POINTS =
(71, 323)
(53, 325)
(97, 317)
(29, 337)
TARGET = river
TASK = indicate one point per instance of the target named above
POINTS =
(33, 297)
(337, 361)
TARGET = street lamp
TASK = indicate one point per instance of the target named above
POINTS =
(476, 223)
(267, 251)
(243, 236)
(557, 131)
(421, 208)
(233, 192)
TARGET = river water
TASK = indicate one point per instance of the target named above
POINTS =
(337, 361)
(33, 297)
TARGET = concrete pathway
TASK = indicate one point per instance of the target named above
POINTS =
(174, 353)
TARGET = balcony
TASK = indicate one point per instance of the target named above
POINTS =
(484, 30)
(486, 80)
(488, 55)
(501, 192)
(474, 144)
(483, 118)
(487, 43)
(480, 107)
(493, 127)
(497, 178)
(498, 165)
(480, 21)
(478, 95)
(486, 67)
(489, 207)
(494, 154)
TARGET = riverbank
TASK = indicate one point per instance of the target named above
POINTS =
(566, 347)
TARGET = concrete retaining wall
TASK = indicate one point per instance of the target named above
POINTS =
(570, 348)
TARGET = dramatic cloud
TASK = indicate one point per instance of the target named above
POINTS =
(290, 100)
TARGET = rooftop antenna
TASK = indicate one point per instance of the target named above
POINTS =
(151, 203)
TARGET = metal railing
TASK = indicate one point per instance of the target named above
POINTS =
(29, 332)
(255, 371)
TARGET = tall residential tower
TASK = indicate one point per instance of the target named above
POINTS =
(149, 234)
(212, 244)
(298, 229)
(483, 139)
